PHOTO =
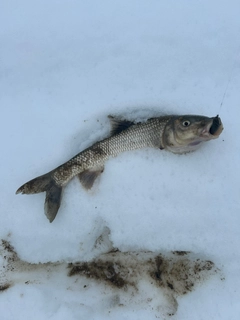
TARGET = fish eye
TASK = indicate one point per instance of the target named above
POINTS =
(186, 123)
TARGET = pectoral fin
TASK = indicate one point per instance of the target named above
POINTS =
(88, 177)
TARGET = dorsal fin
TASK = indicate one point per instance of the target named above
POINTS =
(119, 125)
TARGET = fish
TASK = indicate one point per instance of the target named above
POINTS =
(174, 133)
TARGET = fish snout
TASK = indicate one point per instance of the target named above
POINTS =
(211, 129)
(216, 127)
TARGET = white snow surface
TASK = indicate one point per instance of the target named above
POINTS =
(66, 65)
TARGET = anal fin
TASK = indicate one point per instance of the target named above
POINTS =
(88, 177)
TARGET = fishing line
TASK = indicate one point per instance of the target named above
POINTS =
(230, 77)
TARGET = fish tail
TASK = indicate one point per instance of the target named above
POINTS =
(52, 201)
(37, 185)
(53, 193)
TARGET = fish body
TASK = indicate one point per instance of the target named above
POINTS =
(177, 134)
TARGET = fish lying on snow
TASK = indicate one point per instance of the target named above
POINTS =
(178, 134)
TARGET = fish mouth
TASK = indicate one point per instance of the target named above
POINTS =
(216, 127)
(213, 129)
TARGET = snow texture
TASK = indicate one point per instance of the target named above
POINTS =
(64, 67)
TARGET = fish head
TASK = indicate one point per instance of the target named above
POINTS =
(186, 133)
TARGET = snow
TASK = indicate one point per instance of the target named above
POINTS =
(64, 66)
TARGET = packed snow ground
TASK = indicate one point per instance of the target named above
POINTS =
(64, 66)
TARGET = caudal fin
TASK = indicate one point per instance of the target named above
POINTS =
(53, 193)
(52, 201)
(37, 185)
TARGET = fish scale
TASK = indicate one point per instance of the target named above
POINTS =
(138, 136)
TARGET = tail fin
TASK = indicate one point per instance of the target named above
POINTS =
(37, 185)
(52, 201)
(53, 193)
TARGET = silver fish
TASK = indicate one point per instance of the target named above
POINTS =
(178, 134)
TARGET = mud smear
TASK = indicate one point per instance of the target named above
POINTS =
(4, 287)
(125, 274)
(122, 269)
